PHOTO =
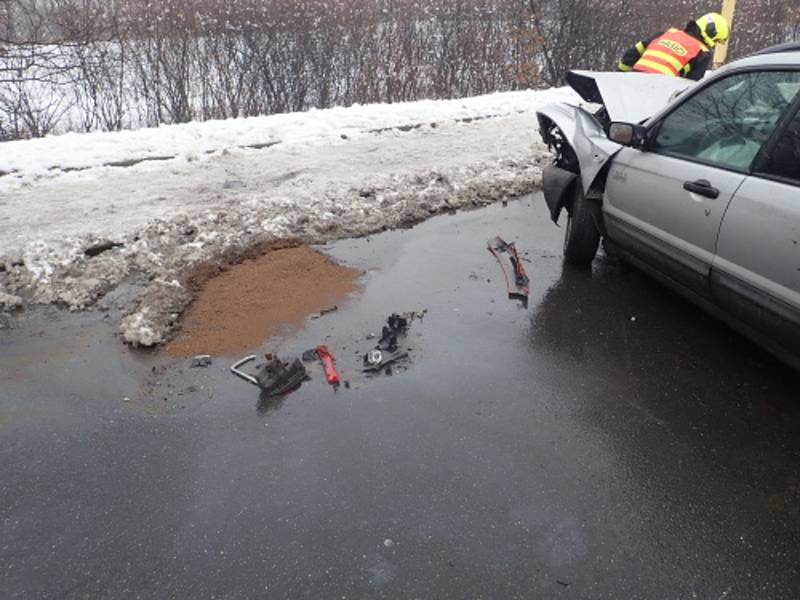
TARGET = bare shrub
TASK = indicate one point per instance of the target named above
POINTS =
(83, 65)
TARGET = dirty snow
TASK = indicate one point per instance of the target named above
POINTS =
(333, 173)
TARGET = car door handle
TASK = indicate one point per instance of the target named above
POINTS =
(701, 187)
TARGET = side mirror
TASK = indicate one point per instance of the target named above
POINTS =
(627, 134)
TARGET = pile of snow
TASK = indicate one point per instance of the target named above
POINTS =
(336, 173)
(26, 160)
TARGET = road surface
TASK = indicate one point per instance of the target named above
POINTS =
(611, 441)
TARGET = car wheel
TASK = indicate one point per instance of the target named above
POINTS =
(582, 236)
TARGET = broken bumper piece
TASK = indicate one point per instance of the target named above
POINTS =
(517, 282)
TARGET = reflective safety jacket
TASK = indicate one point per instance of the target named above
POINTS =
(674, 53)
(670, 53)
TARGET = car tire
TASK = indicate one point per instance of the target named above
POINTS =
(582, 237)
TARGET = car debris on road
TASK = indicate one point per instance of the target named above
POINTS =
(325, 311)
(275, 378)
(387, 351)
(376, 361)
(520, 289)
(329, 365)
(325, 357)
(201, 361)
(310, 356)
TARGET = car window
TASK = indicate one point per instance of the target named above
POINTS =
(729, 121)
(784, 159)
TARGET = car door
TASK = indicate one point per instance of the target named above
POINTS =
(756, 273)
(665, 203)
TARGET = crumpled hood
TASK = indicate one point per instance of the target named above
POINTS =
(628, 97)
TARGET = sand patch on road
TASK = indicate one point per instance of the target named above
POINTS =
(238, 309)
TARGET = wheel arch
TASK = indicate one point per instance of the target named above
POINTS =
(583, 136)
(560, 129)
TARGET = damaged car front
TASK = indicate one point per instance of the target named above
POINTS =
(696, 184)
(577, 136)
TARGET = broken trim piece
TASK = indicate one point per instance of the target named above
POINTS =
(520, 288)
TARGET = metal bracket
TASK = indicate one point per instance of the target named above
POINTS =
(241, 374)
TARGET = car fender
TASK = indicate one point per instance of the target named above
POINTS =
(585, 135)
(593, 151)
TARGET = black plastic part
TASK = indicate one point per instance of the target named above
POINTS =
(395, 325)
(310, 355)
(387, 347)
(388, 358)
(701, 187)
(585, 86)
(100, 247)
(277, 378)
(557, 185)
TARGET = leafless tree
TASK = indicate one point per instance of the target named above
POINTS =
(110, 64)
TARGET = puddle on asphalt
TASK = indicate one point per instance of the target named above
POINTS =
(246, 304)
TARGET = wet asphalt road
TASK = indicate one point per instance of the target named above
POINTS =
(609, 442)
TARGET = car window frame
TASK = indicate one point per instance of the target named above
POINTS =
(764, 157)
(655, 128)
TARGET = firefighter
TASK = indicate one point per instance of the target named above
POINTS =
(678, 53)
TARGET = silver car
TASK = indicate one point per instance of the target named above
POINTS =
(696, 184)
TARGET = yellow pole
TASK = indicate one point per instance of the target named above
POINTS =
(721, 53)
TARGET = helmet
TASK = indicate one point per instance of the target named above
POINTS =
(714, 28)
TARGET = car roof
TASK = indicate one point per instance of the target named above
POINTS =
(787, 47)
(771, 57)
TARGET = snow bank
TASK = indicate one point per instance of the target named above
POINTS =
(338, 173)
(27, 160)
